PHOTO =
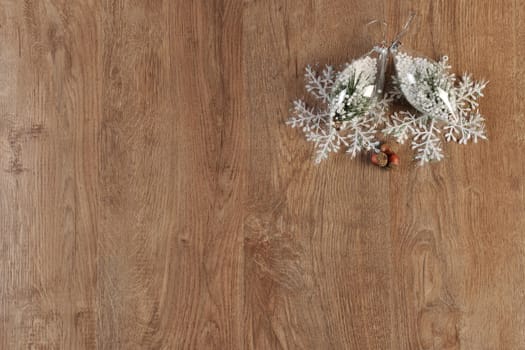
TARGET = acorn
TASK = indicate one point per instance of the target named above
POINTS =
(393, 160)
(380, 159)
(387, 148)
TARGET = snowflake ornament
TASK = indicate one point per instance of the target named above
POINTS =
(446, 107)
(350, 110)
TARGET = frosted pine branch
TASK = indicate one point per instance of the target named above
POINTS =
(320, 85)
(468, 92)
(362, 136)
(466, 130)
(427, 142)
(402, 125)
(307, 118)
(326, 142)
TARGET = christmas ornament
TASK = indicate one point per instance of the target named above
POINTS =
(351, 108)
(444, 105)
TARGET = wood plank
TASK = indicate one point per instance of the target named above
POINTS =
(457, 254)
(49, 82)
(134, 174)
(317, 243)
(205, 283)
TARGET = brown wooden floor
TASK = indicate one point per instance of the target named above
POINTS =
(152, 198)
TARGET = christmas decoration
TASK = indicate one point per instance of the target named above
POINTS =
(351, 107)
(445, 106)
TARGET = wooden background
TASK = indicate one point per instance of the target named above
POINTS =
(152, 198)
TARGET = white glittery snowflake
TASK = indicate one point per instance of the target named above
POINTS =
(349, 112)
(446, 107)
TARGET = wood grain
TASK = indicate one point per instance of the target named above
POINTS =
(151, 196)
